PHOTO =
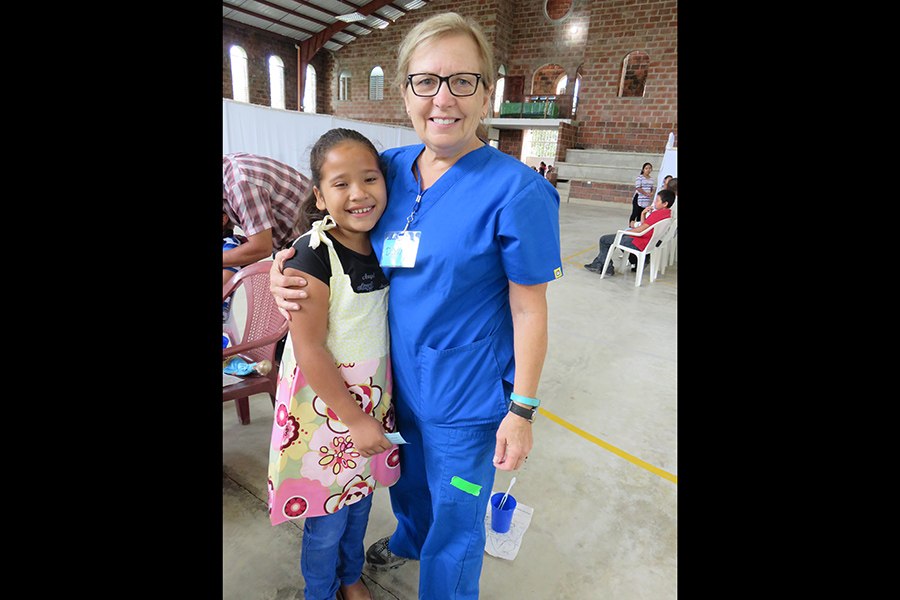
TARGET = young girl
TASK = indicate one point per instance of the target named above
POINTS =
(643, 193)
(333, 406)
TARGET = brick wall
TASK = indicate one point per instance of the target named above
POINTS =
(565, 140)
(545, 79)
(259, 46)
(593, 39)
(604, 192)
(629, 124)
(510, 141)
(596, 36)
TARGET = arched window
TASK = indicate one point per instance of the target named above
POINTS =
(376, 84)
(561, 85)
(309, 90)
(276, 81)
(344, 85)
(561, 89)
(239, 78)
(557, 9)
(635, 68)
(544, 80)
(498, 89)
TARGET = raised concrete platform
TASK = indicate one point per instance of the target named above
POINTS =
(605, 166)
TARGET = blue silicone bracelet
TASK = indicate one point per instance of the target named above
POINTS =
(524, 400)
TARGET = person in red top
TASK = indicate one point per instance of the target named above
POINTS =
(662, 209)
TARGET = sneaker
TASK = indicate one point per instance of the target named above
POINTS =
(380, 556)
(610, 271)
(592, 267)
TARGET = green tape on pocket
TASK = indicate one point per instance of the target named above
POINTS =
(466, 486)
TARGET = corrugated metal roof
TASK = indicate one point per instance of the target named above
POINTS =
(299, 20)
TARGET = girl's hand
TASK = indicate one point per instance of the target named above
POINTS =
(368, 436)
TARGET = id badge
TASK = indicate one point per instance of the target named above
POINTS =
(400, 249)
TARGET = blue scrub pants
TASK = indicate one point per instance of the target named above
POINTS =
(438, 524)
(332, 553)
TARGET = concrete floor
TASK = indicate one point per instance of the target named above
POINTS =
(602, 478)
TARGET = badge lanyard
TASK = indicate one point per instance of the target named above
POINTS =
(400, 247)
(415, 209)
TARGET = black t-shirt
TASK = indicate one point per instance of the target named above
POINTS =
(365, 273)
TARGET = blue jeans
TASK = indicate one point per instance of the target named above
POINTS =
(605, 242)
(332, 553)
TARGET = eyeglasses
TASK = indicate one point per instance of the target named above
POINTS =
(426, 85)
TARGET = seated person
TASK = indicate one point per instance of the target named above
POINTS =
(229, 240)
(662, 210)
(666, 185)
(261, 195)
(673, 185)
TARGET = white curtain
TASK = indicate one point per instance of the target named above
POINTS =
(288, 135)
(669, 166)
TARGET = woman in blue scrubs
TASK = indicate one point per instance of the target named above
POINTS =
(469, 241)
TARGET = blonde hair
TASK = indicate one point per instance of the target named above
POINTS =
(440, 26)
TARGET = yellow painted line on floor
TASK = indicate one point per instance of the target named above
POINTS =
(632, 459)
(571, 256)
(577, 263)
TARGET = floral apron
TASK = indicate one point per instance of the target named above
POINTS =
(314, 469)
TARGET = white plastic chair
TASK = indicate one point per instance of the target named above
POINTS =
(668, 247)
(656, 232)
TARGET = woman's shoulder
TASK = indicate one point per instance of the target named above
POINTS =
(400, 151)
(516, 181)
(507, 164)
(394, 160)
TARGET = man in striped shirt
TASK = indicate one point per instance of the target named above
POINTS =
(261, 196)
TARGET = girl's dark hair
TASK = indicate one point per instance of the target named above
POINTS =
(309, 213)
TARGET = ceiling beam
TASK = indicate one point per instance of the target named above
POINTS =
(394, 6)
(315, 43)
(265, 18)
(298, 14)
(329, 13)
(280, 36)
(308, 47)
(370, 7)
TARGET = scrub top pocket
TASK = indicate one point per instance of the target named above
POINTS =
(460, 386)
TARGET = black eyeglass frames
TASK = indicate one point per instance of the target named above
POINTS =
(426, 85)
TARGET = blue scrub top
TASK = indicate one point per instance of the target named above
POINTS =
(488, 220)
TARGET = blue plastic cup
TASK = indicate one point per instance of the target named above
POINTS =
(501, 518)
